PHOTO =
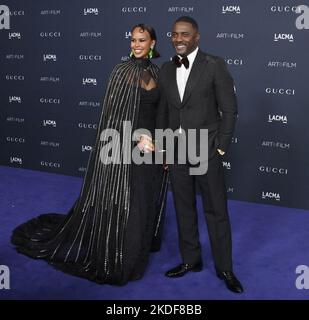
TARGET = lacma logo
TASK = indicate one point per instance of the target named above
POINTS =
(94, 11)
(4, 17)
(271, 195)
(284, 36)
(90, 81)
(86, 148)
(128, 34)
(302, 22)
(4, 277)
(49, 123)
(14, 99)
(14, 35)
(16, 160)
(277, 118)
(226, 165)
(302, 281)
(48, 57)
(230, 9)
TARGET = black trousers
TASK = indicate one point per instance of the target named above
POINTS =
(213, 192)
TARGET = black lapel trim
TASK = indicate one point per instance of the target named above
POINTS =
(198, 67)
(172, 83)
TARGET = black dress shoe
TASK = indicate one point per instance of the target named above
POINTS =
(231, 281)
(183, 268)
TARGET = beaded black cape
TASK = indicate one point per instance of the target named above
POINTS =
(89, 240)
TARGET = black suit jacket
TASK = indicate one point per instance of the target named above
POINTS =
(209, 100)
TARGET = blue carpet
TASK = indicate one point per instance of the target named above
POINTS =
(269, 242)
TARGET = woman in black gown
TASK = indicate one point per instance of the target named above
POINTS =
(116, 221)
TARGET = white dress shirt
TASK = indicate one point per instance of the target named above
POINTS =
(182, 74)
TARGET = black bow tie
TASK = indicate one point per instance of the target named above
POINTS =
(179, 61)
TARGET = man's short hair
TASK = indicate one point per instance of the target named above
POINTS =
(188, 20)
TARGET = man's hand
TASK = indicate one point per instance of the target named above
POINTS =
(221, 152)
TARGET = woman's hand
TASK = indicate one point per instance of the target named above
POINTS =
(145, 144)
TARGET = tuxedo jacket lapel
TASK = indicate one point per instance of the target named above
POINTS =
(197, 70)
(173, 88)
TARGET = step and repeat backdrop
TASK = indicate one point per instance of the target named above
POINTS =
(56, 57)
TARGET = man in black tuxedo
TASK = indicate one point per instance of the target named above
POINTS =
(197, 92)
